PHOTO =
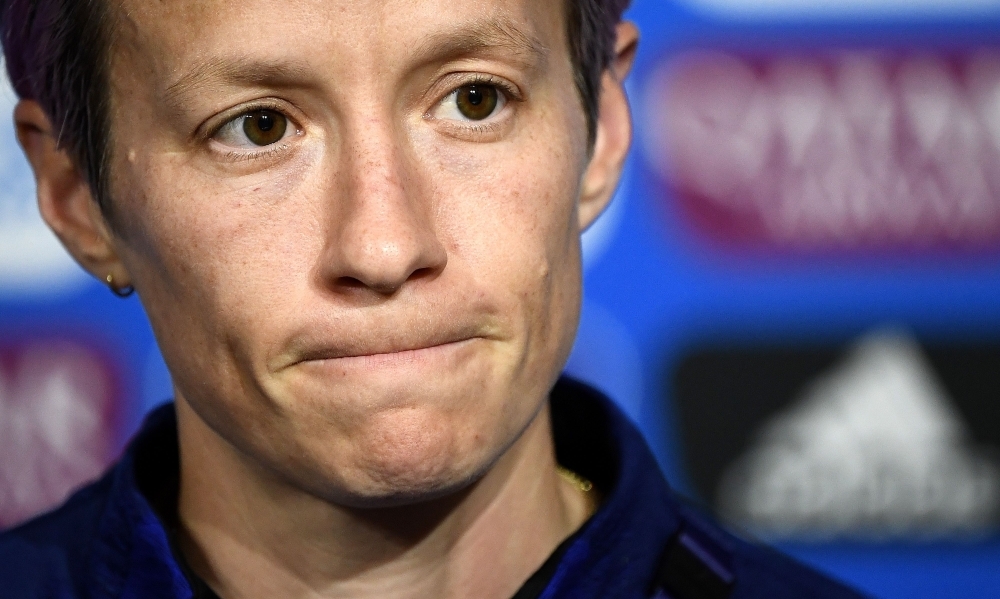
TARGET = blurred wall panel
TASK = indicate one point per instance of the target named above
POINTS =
(805, 265)
(832, 151)
(59, 414)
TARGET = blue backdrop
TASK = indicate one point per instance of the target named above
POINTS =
(718, 241)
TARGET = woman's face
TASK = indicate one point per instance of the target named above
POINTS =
(354, 225)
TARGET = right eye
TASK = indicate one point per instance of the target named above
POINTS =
(255, 129)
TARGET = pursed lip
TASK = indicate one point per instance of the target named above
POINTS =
(381, 351)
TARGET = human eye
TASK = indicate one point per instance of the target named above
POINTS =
(475, 102)
(255, 129)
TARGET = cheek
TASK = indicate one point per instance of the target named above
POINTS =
(215, 262)
(506, 203)
(510, 219)
(208, 234)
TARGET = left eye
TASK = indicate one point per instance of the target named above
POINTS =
(255, 129)
(476, 102)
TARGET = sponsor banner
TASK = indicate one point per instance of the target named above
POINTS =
(61, 419)
(846, 149)
(769, 10)
(880, 439)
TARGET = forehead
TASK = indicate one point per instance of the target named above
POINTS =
(175, 38)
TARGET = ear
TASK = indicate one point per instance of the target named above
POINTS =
(614, 130)
(65, 199)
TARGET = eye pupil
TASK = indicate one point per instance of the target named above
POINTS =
(477, 102)
(475, 96)
(265, 122)
(264, 127)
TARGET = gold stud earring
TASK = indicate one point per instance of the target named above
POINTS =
(119, 291)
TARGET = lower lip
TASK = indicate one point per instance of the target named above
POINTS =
(396, 360)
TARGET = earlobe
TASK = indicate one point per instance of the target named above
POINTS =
(614, 130)
(64, 197)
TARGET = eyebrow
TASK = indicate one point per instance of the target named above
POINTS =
(242, 69)
(483, 36)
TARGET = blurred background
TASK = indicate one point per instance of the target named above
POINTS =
(796, 293)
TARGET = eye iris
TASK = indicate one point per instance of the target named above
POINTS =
(264, 127)
(476, 102)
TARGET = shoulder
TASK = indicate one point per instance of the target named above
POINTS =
(47, 556)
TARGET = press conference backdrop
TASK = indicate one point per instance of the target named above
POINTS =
(796, 293)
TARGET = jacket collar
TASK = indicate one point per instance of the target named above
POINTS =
(132, 556)
(614, 555)
(618, 551)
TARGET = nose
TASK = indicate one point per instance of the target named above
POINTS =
(383, 233)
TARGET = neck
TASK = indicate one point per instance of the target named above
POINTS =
(252, 536)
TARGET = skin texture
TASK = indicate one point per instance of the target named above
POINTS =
(363, 320)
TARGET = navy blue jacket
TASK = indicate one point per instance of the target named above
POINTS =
(107, 542)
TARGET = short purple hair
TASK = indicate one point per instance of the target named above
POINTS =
(58, 54)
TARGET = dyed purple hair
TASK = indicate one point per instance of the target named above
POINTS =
(57, 53)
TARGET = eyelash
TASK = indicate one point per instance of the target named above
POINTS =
(511, 92)
(264, 152)
(507, 88)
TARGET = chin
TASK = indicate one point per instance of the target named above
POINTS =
(405, 492)
(378, 439)
(407, 455)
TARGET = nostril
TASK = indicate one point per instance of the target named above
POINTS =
(350, 283)
(423, 273)
(386, 287)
